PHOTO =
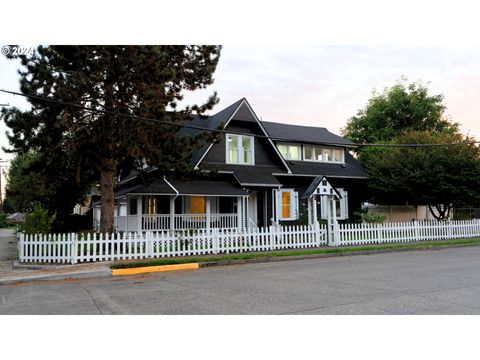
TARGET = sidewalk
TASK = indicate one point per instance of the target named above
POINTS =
(11, 274)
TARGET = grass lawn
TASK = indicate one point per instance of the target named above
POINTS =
(244, 256)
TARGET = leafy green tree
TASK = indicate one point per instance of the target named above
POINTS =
(402, 107)
(438, 176)
(49, 182)
(143, 81)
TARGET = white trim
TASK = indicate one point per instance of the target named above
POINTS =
(239, 149)
(299, 146)
(255, 184)
(315, 175)
(173, 187)
(294, 204)
(342, 161)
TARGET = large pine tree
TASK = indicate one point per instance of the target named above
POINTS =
(143, 81)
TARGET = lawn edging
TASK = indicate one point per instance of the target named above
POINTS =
(297, 254)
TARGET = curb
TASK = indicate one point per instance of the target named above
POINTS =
(41, 277)
(153, 269)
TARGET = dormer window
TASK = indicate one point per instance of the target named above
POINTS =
(290, 151)
(322, 154)
(240, 149)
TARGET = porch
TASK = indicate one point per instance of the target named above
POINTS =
(178, 205)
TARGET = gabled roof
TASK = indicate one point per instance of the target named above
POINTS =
(305, 134)
(223, 118)
(320, 186)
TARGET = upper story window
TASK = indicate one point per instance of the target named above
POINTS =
(290, 151)
(240, 149)
(322, 154)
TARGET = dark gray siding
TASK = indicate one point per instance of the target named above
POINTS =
(264, 153)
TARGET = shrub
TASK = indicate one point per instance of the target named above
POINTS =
(38, 221)
(461, 215)
(3, 221)
(370, 218)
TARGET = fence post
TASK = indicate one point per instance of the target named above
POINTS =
(73, 248)
(379, 233)
(214, 234)
(417, 232)
(316, 230)
(20, 244)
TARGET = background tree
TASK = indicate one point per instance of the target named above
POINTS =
(51, 183)
(402, 107)
(440, 177)
(143, 81)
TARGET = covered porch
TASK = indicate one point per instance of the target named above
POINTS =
(179, 205)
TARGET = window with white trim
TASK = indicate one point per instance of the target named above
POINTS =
(287, 204)
(289, 151)
(240, 149)
(323, 154)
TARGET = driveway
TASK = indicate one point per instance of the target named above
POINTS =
(8, 244)
(419, 282)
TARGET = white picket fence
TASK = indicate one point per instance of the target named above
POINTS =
(363, 234)
(73, 248)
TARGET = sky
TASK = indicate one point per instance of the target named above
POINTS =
(324, 85)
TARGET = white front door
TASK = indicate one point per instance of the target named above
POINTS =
(252, 209)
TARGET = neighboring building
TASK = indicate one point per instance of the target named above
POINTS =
(266, 173)
(402, 213)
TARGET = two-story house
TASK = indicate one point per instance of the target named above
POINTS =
(266, 173)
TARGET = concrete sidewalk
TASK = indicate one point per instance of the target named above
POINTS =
(11, 274)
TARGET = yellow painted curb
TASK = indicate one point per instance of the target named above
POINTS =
(151, 269)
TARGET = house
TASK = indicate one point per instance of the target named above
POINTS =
(267, 173)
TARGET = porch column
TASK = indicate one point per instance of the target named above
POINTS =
(309, 211)
(239, 211)
(126, 214)
(139, 213)
(207, 210)
(172, 212)
(334, 208)
(314, 206)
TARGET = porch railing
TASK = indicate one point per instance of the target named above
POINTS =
(180, 221)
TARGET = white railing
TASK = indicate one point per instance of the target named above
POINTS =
(181, 222)
(361, 234)
(73, 248)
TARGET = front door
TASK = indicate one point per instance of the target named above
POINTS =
(252, 209)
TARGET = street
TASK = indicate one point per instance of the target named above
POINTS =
(417, 282)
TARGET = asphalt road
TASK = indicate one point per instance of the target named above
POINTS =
(419, 282)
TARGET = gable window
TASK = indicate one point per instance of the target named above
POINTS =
(240, 149)
(287, 204)
(289, 151)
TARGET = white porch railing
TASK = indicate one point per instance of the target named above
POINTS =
(181, 222)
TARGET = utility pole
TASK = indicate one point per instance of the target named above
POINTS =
(2, 172)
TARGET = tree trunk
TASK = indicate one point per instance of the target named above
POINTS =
(107, 195)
